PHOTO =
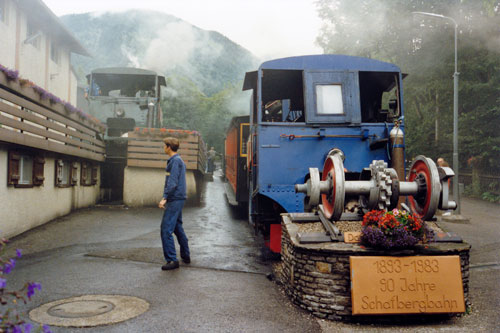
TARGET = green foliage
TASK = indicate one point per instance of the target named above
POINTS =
(423, 47)
(185, 107)
(491, 197)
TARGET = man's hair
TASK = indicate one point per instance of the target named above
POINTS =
(173, 143)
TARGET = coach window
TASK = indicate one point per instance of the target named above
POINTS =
(379, 94)
(282, 96)
(25, 169)
(329, 99)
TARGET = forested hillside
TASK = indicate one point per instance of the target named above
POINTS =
(423, 47)
(204, 69)
(160, 42)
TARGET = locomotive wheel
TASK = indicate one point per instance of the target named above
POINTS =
(424, 171)
(314, 193)
(333, 201)
(312, 196)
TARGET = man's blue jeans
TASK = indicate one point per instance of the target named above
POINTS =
(172, 223)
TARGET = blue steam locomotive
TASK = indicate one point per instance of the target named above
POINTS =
(304, 107)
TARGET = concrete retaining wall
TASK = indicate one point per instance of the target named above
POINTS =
(144, 186)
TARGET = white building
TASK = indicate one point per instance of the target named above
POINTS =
(36, 43)
(50, 152)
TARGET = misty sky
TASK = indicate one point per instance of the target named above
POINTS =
(267, 28)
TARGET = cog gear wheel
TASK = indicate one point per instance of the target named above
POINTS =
(383, 181)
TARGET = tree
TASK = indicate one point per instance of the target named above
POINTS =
(186, 107)
(423, 47)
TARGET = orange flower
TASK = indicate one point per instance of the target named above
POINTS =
(372, 217)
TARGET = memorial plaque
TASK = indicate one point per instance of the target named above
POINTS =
(352, 237)
(397, 285)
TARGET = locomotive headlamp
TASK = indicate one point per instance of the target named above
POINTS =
(120, 112)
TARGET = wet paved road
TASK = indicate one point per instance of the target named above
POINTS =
(113, 250)
(117, 251)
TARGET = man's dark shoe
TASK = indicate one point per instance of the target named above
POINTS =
(170, 265)
(187, 260)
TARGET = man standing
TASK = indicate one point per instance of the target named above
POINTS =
(174, 196)
(211, 160)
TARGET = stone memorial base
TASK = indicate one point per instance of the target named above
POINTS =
(317, 276)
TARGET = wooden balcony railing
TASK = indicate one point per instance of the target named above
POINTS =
(29, 120)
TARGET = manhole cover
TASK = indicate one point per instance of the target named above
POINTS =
(89, 310)
(80, 309)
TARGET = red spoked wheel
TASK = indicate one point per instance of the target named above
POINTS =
(333, 200)
(424, 172)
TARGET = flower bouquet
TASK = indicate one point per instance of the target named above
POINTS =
(395, 229)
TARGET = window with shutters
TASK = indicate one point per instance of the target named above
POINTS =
(25, 169)
(13, 168)
(86, 174)
(33, 35)
(38, 168)
(95, 172)
(3, 11)
(63, 173)
(74, 173)
(54, 53)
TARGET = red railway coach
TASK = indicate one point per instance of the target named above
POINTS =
(235, 159)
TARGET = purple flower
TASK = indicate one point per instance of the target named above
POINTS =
(46, 329)
(17, 329)
(18, 253)
(7, 268)
(27, 328)
(12, 75)
(32, 287)
(3, 283)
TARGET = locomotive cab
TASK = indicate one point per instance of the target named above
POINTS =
(124, 98)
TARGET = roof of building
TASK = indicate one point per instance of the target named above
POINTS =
(47, 21)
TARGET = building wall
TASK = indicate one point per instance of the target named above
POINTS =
(8, 37)
(34, 63)
(26, 208)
